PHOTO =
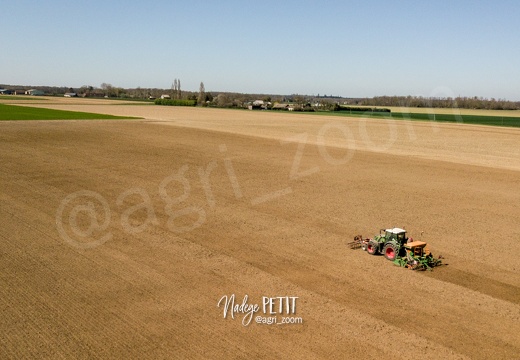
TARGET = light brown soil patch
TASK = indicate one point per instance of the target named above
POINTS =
(272, 229)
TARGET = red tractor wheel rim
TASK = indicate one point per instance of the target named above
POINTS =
(370, 248)
(390, 253)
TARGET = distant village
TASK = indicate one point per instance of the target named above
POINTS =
(208, 99)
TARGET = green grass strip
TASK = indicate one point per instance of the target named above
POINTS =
(24, 98)
(462, 119)
(14, 112)
(505, 121)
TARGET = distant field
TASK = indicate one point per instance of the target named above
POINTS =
(451, 111)
(462, 116)
(13, 112)
(24, 98)
(463, 119)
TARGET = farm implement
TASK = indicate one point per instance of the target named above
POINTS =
(398, 248)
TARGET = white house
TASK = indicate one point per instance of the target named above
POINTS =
(34, 92)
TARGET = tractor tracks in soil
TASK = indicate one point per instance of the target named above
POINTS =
(478, 283)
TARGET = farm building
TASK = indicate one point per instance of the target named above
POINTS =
(259, 105)
(5, 92)
(165, 96)
(34, 92)
(70, 94)
(283, 107)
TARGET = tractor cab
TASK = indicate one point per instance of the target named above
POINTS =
(397, 234)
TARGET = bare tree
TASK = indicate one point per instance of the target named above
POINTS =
(202, 94)
(107, 88)
(176, 89)
(223, 100)
(173, 91)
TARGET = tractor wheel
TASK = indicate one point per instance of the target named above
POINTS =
(390, 252)
(372, 247)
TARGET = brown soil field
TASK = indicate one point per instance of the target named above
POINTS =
(119, 238)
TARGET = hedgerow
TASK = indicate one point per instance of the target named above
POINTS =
(175, 102)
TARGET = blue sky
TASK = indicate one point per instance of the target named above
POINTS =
(347, 48)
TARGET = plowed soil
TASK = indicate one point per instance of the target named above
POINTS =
(119, 238)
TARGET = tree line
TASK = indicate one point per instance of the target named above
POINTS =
(441, 102)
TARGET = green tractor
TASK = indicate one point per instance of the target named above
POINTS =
(398, 248)
(389, 242)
